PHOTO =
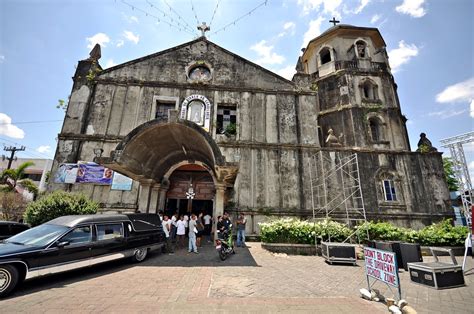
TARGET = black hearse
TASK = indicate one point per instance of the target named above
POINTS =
(71, 242)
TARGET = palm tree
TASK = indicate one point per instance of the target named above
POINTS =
(12, 177)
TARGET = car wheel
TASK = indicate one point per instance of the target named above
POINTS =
(9, 278)
(140, 255)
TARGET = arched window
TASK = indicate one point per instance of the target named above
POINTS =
(375, 129)
(368, 90)
(361, 49)
(389, 188)
(325, 55)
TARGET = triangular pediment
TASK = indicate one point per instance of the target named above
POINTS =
(172, 66)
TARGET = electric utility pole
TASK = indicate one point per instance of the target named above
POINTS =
(13, 150)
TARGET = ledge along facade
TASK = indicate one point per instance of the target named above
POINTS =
(200, 128)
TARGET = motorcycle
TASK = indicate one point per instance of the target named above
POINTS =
(225, 244)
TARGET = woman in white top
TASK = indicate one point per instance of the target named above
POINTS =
(181, 231)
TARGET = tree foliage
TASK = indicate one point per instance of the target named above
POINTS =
(12, 206)
(448, 166)
(57, 204)
(10, 178)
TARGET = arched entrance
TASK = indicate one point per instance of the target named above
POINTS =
(191, 190)
(163, 155)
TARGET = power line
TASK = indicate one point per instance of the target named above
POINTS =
(31, 122)
(240, 17)
(195, 14)
(214, 13)
(171, 19)
(157, 18)
(34, 153)
(177, 14)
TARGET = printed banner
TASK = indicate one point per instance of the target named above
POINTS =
(66, 173)
(90, 172)
(381, 265)
(121, 182)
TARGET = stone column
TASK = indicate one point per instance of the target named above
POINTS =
(162, 198)
(155, 193)
(144, 196)
(219, 205)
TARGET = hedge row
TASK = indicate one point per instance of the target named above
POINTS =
(290, 230)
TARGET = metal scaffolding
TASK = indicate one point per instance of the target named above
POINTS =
(336, 188)
(461, 169)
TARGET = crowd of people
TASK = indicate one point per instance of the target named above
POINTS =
(196, 229)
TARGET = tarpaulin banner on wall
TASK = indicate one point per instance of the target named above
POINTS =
(121, 182)
(90, 172)
(66, 173)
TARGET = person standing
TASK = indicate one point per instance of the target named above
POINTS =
(241, 223)
(207, 226)
(180, 231)
(174, 224)
(192, 235)
(166, 223)
(200, 229)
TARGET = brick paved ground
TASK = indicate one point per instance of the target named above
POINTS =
(253, 280)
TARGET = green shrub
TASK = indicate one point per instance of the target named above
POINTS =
(380, 231)
(291, 230)
(57, 204)
(443, 234)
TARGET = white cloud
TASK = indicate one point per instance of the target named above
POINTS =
(471, 166)
(99, 38)
(120, 43)
(362, 5)
(445, 114)
(110, 63)
(459, 92)
(402, 55)
(44, 149)
(375, 18)
(328, 6)
(265, 53)
(288, 28)
(287, 72)
(2, 58)
(471, 109)
(314, 30)
(8, 129)
(412, 7)
(130, 19)
(131, 37)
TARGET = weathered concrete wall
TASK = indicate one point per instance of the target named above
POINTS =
(277, 131)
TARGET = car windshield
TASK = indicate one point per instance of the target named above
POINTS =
(38, 236)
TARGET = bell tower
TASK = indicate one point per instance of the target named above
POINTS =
(348, 67)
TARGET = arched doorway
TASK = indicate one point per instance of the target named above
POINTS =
(155, 150)
(191, 190)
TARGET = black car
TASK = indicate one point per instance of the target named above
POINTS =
(10, 228)
(71, 242)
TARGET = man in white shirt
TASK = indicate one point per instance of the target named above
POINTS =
(207, 226)
(166, 223)
(180, 232)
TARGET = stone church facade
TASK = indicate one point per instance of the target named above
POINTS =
(200, 128)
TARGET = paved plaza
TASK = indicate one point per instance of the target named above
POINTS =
(253, 280)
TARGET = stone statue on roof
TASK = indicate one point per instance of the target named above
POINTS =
(424, 145)
(95, 53)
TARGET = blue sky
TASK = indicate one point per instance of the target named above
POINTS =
(430, 44)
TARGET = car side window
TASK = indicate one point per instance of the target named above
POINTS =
(109, 231)
(17, 229)
(78, 235)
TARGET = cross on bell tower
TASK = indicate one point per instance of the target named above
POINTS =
(203, 28)
(334, 21)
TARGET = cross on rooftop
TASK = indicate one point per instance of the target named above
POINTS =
(334, 21)
(203, 28)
